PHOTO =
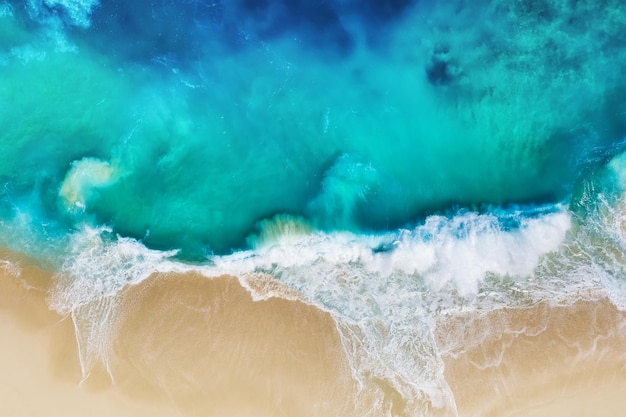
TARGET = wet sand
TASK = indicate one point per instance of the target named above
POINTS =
(184, 345)
(538, 361)
(38, 356)
(215, 352)
(190, 346)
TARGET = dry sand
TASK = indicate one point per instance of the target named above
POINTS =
(189, 346)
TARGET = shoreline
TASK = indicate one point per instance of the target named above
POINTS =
(41, 372)
(191, 346)
(169, 357)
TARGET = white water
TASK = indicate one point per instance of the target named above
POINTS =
(384, 301)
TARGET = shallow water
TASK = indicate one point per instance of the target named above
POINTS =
(368, 172)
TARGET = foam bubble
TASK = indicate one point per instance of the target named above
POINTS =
(463, 250)
(460, 250)
(100, 264)
(10, 268)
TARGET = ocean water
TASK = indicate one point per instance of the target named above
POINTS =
(387, 163)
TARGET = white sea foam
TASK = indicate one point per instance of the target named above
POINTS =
(384, 291)
(460, 250)
(100, 264)
(96, 269)
(597, 254)
(385, 288)
(602, 242)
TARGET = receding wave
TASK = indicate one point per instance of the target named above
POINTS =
(397, 300)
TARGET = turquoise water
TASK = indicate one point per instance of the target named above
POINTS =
(206, 135)
(441, 154)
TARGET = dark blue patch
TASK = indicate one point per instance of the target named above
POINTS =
(143, 30)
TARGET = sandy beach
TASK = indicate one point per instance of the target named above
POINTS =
(538, 361)
(189, 346)
(41, 372)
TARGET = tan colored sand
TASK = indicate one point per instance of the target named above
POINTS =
(605, 399)
(186, 345)
(189, 346)
(38, 358)
(215, 352)
(539, 361)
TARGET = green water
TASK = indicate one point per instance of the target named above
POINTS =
(193, 152)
